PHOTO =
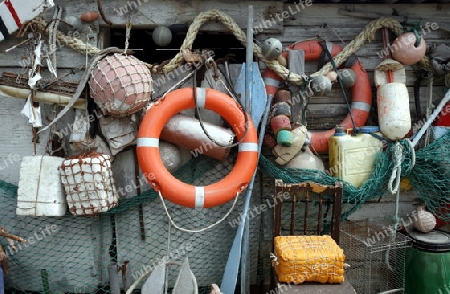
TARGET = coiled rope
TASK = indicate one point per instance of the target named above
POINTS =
(367, 34)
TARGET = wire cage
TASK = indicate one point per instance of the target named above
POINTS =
(376, 255)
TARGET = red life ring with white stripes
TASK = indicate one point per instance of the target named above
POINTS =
(361, 90)
(160, 179)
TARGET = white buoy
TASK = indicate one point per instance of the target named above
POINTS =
(271, 48)
(162, 36)
(170, 155)
(393, 110)
(306, 160)
(321, 85)
(424, 220)
(348, 77)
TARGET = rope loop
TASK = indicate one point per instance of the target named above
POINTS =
(408, 157)
(397, 158)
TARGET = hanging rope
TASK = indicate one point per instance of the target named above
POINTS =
(367, 34)
(397, 169)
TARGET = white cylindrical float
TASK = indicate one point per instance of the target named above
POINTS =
(393, 110)
(185, 131)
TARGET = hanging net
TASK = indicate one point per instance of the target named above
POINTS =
(429, 177)
(72, 254)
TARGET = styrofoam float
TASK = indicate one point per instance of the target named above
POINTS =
(13, 13)
(89, 184)
(40, 191)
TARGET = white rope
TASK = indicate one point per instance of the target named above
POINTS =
(127, 36)
(199, 230)
(431, 118)
(413, 153)
(396, 171)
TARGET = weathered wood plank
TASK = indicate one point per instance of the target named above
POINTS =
(340, 32)
(19, 57)
(152, 13)
(315, 14)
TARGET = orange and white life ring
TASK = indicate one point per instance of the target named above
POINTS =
(361, 90)
(163, 181)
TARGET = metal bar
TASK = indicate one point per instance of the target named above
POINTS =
(305, 222)
(277, 213)
(336, 212)
(113, 278)
(292, 224)
(320, 217)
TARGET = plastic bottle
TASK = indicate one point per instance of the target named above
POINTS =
(351, 158)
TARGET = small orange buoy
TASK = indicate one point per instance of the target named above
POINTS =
(89, 16)
(404, 49)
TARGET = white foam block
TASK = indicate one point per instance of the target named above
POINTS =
(40, 191)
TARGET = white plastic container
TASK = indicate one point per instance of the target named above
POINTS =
(393, 110)
(40, 192)
(351, 158)
(306, 160)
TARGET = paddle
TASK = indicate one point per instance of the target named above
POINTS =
(254, 89)
(255, 105)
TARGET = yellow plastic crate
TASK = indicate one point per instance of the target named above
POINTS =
(302, 259)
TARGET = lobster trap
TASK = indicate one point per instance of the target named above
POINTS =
(376, 257)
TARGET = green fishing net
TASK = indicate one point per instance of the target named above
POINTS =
(73, 254)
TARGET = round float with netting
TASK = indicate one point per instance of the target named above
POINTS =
(163, 181)
(121, 84)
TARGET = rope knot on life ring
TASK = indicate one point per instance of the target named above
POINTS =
(361, 91)
(174, 190)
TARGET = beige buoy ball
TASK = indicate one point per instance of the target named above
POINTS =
(162, 36)
(271, 48)
(404, 49)
(121, 84)
(424, 221)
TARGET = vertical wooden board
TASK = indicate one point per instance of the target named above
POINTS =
(296, 64)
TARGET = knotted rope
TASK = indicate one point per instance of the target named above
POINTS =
(367, 34)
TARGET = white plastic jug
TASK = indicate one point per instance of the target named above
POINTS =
(351, 158)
